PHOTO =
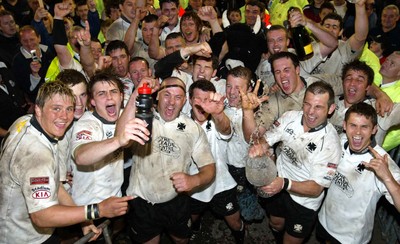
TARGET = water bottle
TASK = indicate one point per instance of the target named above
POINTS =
(144, 105)
(301, 40)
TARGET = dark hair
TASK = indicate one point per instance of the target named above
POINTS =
(241, 72)
(327, 5)
(321, 87)
(358, 65)
(191, 15)
(363, 109)
(202, 84)
(174, 35)
(5, 13)
(71, 77)
(116, 44)
(333, 16)
(236, 10)
(161, 2)
(81, 3)
(259, 4)
(213, 59)
(288, 55)
(150, 18)
(109, 5)
(105, 76)
(137, 58)
(95, 39)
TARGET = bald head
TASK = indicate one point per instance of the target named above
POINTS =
(171, 98)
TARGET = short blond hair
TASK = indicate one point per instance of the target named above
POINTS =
(48, 90)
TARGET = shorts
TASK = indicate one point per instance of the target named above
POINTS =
(299, 220)
(147, 220)
(323, 235)
(223, 204)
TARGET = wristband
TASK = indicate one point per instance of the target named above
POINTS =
(96, 211)
(59, 33)
(286, 183)
(86, 211)
(289, 185)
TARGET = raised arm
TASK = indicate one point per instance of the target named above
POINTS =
(357, 40)
(155, 51)
(215, 106)
(93, 18)
(85, 52)
(250, 102)
(207, 13)
(64, 215)
(59, 34)
(328, 42)
(380, 166)
(131, 33)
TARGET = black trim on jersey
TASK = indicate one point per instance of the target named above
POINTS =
(319, 127)
(125, 19)
(103, 120)
(367, 97)
(366, 150)
(37, 126)
(208, 126)
(305, 87)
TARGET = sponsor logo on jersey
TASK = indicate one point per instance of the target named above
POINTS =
(41, 192)
(167, 146)
(84, 135)
(21, 125)
(39, 180)
(291, 154)
(332, 165)
(298, 228)
(343, 184)
(289, 131)
(229, 206)
(181, 126)
(360, 168)
(311, 147)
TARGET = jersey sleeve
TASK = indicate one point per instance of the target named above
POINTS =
(201, 151)
(36, 171)
(85, 131)
(325, 163)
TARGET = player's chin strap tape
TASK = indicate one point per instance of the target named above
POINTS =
(175, 85)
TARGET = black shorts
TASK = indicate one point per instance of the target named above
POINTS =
(299, 220)
(146, 220)
(323, 235)
(224, 203)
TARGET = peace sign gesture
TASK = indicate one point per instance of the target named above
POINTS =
(250, 101)
(379, 165)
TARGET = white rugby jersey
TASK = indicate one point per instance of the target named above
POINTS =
(29, 174)
(173, 146)
(223, 179)
(311, 155)
(349, 207)
(384, 123)
(99, 181)
(237, 146)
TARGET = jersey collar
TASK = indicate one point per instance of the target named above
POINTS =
(366, 150)
(103, 120)
(37, 126)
